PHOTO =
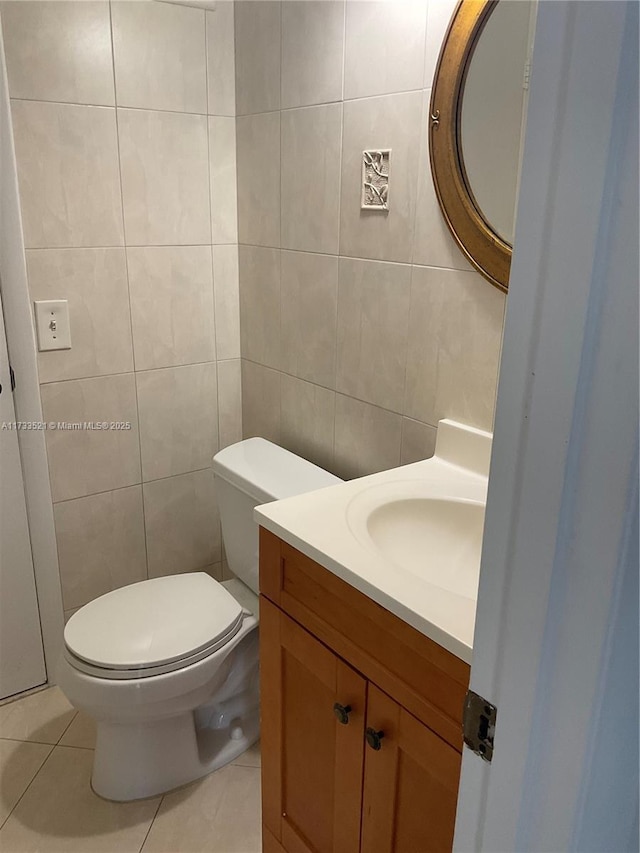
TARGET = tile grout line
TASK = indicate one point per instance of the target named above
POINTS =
(35, 776)
(211, 249)
(371, 260)
(126, 262)
(251, 246)
(330, 103)
(124, 246)
(132, 486)
(406, 363)
(116, 106)
(337, 312)
(153, 820)
(74, 746)
(66, 728)
(338, 392)
(39, 742)
(280, 217)
(237, 228)
(422, 135)
(128, 372)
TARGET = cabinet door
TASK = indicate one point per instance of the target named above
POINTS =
(410, 782)
(311, 762)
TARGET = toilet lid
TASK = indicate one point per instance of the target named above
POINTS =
(153, 622)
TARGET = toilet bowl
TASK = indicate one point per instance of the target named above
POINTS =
(168, 667)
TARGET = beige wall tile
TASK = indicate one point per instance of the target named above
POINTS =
(19, 763)
(178, 410)
(438, 18)
(215, 570)
(61, 151)
(59, 51)
(221, 59)
(422, 350)
(260, 304)
(388, 53)
(42, 716)
(260, 401)
(385, 45)
(311, 140)
(258, 158)
(171, 305)
(61, 814)
(463, 315)
(309, 302)
(223, 175)
(418, 441)
(227, 301)
(367, 439)
(433, 244)
(225, 806)
(392, 122)
(308, 416)
(373, 321)
(165, 178)
(159, 56)
(94, 282)
(182, 523)
(312, 52)
(83, 462)
(227, 574)
(470, 341)
(101, 544)
(257, 56)
(229, 402)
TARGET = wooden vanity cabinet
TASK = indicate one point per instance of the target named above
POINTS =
(361, 718)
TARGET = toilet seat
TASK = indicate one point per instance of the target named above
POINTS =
(152, 627)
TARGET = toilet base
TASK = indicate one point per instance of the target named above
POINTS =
(137, 761)
(160, 732)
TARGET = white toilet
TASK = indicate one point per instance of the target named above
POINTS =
(168, 667)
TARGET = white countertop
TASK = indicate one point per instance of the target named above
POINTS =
(316, 523)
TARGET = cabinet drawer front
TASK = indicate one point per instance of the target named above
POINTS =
(425, 678)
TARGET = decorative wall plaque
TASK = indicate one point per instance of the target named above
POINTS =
(375, 179)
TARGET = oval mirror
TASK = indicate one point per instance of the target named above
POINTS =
(478, 107)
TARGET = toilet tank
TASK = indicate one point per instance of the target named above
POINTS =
(250, 473)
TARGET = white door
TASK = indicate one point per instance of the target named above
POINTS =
(21, 654)
(556, 639)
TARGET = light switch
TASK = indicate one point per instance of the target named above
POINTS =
(52, 324)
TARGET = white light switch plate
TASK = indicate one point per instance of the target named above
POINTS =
(52, 324)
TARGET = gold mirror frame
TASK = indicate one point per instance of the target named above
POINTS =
(480, 244)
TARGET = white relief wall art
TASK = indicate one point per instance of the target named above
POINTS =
(375, 179)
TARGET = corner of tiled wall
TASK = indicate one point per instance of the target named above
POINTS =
(126, 162)
(359, 329)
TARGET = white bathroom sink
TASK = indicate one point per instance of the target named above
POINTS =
(410, 538)
(421, 528)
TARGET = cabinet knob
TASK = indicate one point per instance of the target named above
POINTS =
(342, 713)
(373, 738)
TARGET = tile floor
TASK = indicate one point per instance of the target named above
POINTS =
(47, 805)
